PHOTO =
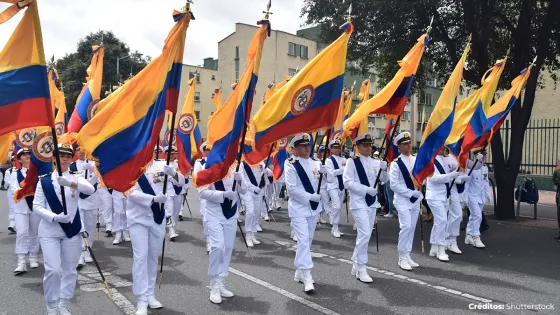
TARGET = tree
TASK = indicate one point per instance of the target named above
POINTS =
(385, 29)
(72, 67)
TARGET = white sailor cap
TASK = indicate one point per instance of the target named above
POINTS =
(65, 148)
(173, 149)
(203, 147)
(402, 138)
(22, 151)
(321, 148)
(364, 138)
(334, 142)
(302, 138)
(158, 148)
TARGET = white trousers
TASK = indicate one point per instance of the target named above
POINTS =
(253, 205)
(60, 256)
(365, 219)
(202, 214)
(304, 228)
(454, 218)
(177, 208)
(325, 200)
(146, 247)
(11, 202)
(222, 239)
(27, 227)
(473, 226)
(89, 219)
(106, 205)
(278, 201)
(119, 217)
(439, 211)
(337, 197)
(407, 222)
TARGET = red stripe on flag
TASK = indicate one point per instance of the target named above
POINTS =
(25, 114)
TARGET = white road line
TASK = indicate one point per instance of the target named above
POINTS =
(283, 292)
(400, 277)
(90, 281)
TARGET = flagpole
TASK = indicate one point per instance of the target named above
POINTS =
(323, 163)
(262, 178)
(58, 167)
(383, 145)
(85, 236)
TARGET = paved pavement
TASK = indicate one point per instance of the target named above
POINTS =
(521, 265)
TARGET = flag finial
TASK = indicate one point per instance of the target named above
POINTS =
(349, 16)
(430, 26)
(267, 12)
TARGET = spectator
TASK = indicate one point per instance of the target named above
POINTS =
(556, 181)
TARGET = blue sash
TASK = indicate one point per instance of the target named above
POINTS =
(28, 199)
(406, 177)
(442, 171)
(227, 210)
(251, 176)
(110, 190)
(305, 182)
(73, 167)
(370, 200)
(147, 189)
(70, 229)
(460, 187)
(202, 162)
(339, 177)
(177, 189)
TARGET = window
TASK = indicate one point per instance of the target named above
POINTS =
(236, 52)
(406, 115)
(192, 75)
(379, 133)
(303, 51)
(236, 63)
(291, 72)
(320, 47)
(292, 49)
(371, 129)
(197, 115)
(378, 89)
(213, 95)
(197, 96)
(213, 77)
(425, 98)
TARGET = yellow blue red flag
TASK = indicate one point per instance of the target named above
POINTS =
(343, 113)
(440, 123)
(227, 126)
(279, 158)
(364, 91)
(24, 89)
(217, 100)
(188, 134)
(121, 136)
(309, 101)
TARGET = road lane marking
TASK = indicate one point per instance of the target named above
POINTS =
(90, 281)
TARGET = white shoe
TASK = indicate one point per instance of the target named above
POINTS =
(259, 229)
(52, 308)
(181, 215)
(363, 276)
(355, 227)
(12, 226)
(469, 240)
(87, 257)
(411, 262)
(126, 235)
(109, 229)
(298, 277)
(207, 245)
(388, 215)
(452, 247)
(81, 261)
(266, 218)
(354, 269)
(172, 234)
(249, 239)
(63, 307)
(153, 303)
(308, 281)
(441, 254)
(477, 242)
(142, 308)
(434, 250)
(321, 220)
(335, 234)
(215, 296)
(118, 238)
(225, 292)
(293, 236)
(33, 262)
(403, 263)
(254, 239)
(21, 265)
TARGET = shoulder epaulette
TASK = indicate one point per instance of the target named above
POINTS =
(356, 157)
(75, 173)
(45, 175)
(291, 160)
(396, 159)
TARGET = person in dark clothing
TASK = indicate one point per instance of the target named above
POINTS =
(556, 181)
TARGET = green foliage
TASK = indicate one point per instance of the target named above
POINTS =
(72, 67)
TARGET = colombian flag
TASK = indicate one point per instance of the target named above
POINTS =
(364, 91)
(279, 158)
(343, 113)
(24, 89)
(499, 111)
(86, 105)
(270, 89)
(121, 136)
(217, 100)
(392, 99)
(309, 101)
(475, 124)
(439, 125)
(40, 164)
(466, 108)
(391, 150)
(6, 144)
(59, 103)
(227, 126)
(188, 133)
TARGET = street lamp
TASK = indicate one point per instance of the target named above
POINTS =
(118, 71)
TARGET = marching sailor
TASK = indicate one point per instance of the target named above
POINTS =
(302, 180)
(106, 207)
(407, 198)
(59, 232)
(220, 219)
(476, 198)
(88, 204)
(175, 203)
(455, 211)
(145, 220)
(335, 166)
(27, 223)
(10, 193)
(254, 177)
(119, 217)
(360, 176)
(325, 197)
(199, 165)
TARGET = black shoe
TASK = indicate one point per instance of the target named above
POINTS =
(180, 218)
(3, 188)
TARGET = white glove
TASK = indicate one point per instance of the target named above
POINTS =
(268, 172)
(169, 170)
(453, 175)
(479, 157)
(417, 194)
(257, 190)
(230, 194)
(315, 198)
(339, 171)
(383, 165)
(370, 191)
(464, 178)
(160, 198)
(63, 181)
(61, 218)
(88, 167)
(237, 176)
(323, 169)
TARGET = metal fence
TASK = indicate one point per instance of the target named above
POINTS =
(541, 151)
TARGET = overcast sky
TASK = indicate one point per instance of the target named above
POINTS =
(144, 24)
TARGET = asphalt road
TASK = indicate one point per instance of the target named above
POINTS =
(521, 265)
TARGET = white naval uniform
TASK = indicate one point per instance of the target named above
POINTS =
(221, 230)
(10, 192)
(303, 218)
(363, 214)
(89, 207)
(174, 203)
(106, 204)
(147, 235)
(436, 197)
(278, 189)
(60, 253)
(476, 197)
(455, 211)
(119, 211)
(199, 165)
(27, 223)
(252, 201)
(408, 211)
(325, 197)
(336, 195)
